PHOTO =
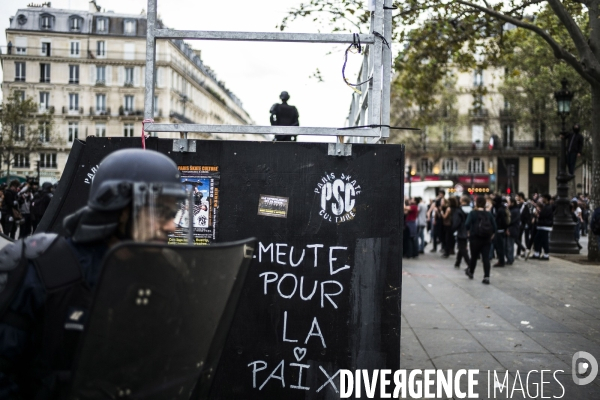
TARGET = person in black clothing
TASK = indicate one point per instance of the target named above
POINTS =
(40, 203)
(524, 229)
(574, 147)
(284, 115)
(459, 225)
(512, 230)
(480, 241)
(500, 214)
(133, 196)
(545, 221)
(9, 205)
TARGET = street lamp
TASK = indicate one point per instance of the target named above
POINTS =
(562, 239)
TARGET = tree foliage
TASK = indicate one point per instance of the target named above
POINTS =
(23, 129)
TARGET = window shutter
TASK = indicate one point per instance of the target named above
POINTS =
(121, 76)
(92, 74)
(159, 82)
(136, 76)
(109, 76)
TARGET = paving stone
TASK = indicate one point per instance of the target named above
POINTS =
(525, 362)
(507, 341)
(412, 354)
(437, 342)
(536, 321)
(432, 316)
(478, 317)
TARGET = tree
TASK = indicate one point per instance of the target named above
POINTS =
(446, 34)
(23, 129)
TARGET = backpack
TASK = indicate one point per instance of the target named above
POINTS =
(483, 226)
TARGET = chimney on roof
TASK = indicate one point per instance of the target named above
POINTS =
(94, 7)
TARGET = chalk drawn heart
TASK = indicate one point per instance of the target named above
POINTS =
(299, 353)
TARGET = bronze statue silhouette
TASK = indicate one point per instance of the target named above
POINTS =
(284, 115)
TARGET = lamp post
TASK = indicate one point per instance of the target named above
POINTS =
(562, 239)
(410, 175)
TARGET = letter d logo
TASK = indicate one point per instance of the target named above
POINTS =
(582, 367)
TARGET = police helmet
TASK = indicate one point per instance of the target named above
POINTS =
(285, 96)
(112, 187)
(145, 183)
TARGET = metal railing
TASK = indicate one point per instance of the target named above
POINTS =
(372, 106)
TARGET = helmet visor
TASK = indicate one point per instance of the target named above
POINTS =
(155, 207)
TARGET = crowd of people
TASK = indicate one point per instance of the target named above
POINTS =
(492, 227)
(22, 206)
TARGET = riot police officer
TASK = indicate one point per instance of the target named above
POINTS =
(50, 279)
(284, 115)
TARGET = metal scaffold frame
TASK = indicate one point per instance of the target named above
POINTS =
(369, 109)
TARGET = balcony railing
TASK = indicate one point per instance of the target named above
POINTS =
(72, 111)
(100, 112)
(516, 145)
(478, 112)
(129, 112)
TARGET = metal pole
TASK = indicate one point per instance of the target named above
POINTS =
(150, 61)
(562, 238)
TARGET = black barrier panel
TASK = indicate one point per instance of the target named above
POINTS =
(159, 320)
(74, 185)
(323, 292)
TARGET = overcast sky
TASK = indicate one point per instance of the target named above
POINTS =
(255, 72)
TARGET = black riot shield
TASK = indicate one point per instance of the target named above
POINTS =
(159, 320)
(5, 240)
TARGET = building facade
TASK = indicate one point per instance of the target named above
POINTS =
(483, 150)
(87, 68)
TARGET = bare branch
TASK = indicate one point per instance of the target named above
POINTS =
(593, 77)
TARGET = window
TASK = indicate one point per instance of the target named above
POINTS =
(508, 135)
(425, 166)
(74, 74)
(74, 49)
(20, 95)
(47, 160)
(128, 130)
(20, 71)
(101, 48)
(46, 49)
(44, 101)
(128, 103)
(100, 75)
(476, 166)
(46, 21)
(129, 51)
(19, 133)
(128, 76)
(478, 78)
(22, 19)
(129, 27)
(477, 135)
(73, 131)
(102, 25)
(100, 130)
(101, 103)
(21, 45)
(449, 165)
(44, 132)
(447, 135)
(21, 160)
(73, 102)
(75, 23)
(45, 73)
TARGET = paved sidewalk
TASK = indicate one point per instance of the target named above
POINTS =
(534, 316)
